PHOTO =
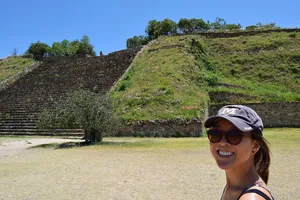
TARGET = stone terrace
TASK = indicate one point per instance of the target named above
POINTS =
(21, 102)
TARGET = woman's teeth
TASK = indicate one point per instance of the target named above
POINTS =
(225, 153)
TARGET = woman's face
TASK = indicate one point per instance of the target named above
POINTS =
(227, 155)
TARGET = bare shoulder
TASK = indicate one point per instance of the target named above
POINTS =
(256, 193)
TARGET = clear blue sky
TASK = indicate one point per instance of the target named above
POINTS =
(110, 23)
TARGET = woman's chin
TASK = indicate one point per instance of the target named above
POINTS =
(224, 165)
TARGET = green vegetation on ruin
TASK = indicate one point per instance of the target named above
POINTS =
(12, 65)
(172, 77)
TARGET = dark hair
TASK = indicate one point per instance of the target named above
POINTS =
(262, 157)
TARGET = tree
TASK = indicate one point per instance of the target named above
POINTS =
(137, 41)
(165, 27)
(251, 28)
(220, 23)
(266, 26)
(198, 25)
(61, 49)
(185, 25)
(82, 109)
(260, 26)
(232, 27)
(38, 50)
(150, 29)
(85, 48)
(15, 52)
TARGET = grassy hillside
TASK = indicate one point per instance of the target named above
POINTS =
(173, 77)
(264, 66)
(161, 84)
(12, 65)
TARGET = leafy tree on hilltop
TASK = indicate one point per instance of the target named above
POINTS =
(85, 48)
(64, 48)
(150, 29)
(38, 50)
(232, 27)
(136, 41)
(220, 23)
(198, 25)
(185, 25)
(165, 27)
(260, 26)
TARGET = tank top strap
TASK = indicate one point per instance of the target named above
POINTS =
(256, 191)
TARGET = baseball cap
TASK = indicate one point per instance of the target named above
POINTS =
(243, 117)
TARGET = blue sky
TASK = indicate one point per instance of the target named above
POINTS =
(110, 23)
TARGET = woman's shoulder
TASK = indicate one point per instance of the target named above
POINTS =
(256, 192)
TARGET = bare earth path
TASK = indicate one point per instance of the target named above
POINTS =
(126, 173)
(17, 147)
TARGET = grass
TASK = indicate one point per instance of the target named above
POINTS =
(266, 66)
(12, 65)
(278, 137)
(172, 77)
(161, 84)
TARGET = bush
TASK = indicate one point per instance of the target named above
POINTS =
(211, 79)
(83, 109)
(38, 50)
(292, 35)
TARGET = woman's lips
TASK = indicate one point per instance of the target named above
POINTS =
(225, 153)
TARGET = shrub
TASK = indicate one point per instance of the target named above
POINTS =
(38, 50)
(292, 35)
(211, 79)
(82, 109)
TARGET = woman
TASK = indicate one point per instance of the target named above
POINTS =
(237, 144)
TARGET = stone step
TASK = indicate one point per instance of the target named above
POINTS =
(19, 120)
(41, 130)
(16, 127)
(23, 110)
(17, 123)
(17, 117)
(81, 134)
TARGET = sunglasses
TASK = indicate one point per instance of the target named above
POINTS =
(233, 137)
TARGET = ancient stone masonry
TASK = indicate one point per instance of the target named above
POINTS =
(163, 128)
(21, 102)
(244, 33)
(280, 114)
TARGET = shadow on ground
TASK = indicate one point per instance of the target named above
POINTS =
(68, 145)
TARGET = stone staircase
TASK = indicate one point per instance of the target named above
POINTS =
(22, 102)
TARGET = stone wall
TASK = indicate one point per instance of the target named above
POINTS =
(221, 97)
(281, 114)
(223, 34)
(163, 128)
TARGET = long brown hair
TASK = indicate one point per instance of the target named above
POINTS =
(262, 157)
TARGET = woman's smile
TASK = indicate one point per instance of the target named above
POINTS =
(224, 153)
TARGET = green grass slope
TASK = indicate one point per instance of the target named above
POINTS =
(173, 76)
(161, 83)
(12, 65)
(265, 66)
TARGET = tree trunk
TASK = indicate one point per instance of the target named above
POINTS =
(93, 136)
(98, 136)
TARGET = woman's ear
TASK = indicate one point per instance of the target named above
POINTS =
(255, 146)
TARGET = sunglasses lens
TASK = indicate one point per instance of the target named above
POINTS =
(214, 136)
(234, 137)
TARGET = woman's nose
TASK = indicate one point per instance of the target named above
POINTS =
(223, 140)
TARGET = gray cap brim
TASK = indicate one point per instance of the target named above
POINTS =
(239, 123)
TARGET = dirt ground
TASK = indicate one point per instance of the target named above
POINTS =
(118, 173)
